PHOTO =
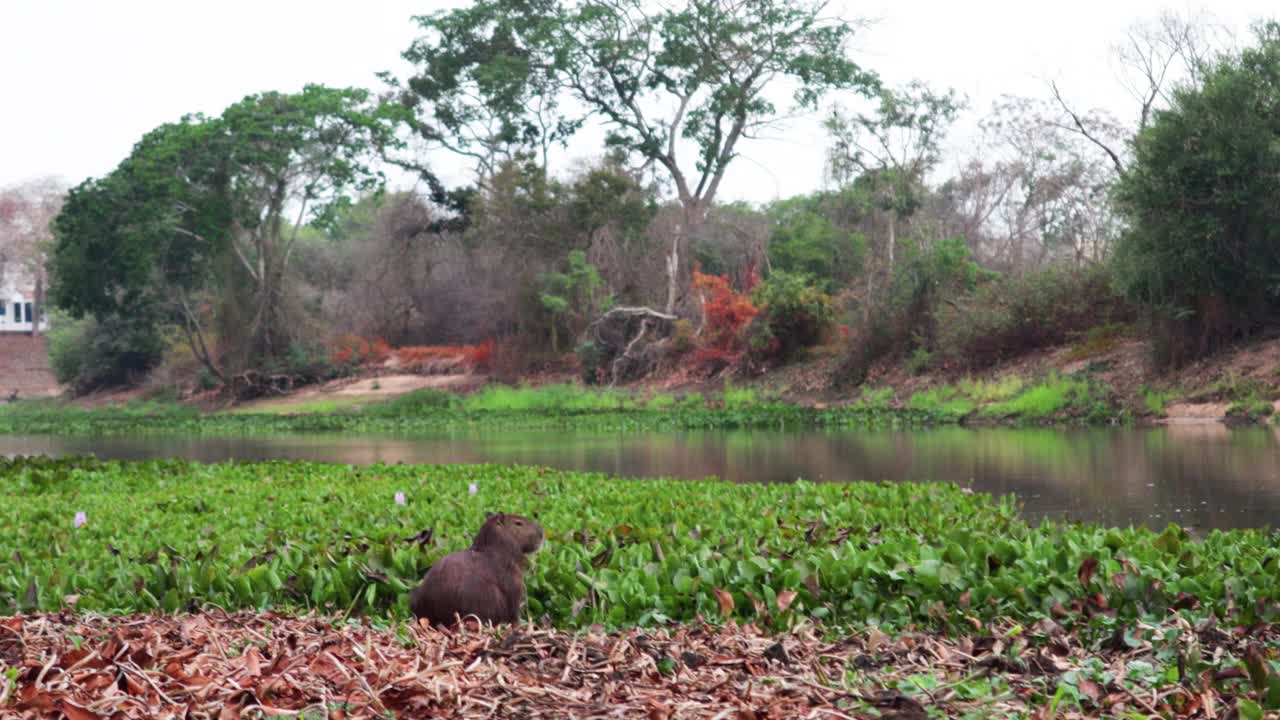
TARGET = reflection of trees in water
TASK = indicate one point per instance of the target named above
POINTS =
(1195, 475)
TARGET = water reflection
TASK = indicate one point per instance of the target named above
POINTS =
(1205, 476)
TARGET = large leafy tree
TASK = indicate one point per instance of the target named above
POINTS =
(484, 90)
(661, 79)
(1202, 248)
(215, 204)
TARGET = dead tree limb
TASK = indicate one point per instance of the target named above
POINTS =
(622, 336)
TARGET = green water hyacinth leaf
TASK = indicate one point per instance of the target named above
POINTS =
(296, 535)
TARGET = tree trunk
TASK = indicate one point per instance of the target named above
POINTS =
(37, 305)
(694, 213)
(893, 237)
(673, 273)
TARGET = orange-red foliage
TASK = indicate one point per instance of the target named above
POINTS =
(727, 314)
(419, 357)
(355, 350)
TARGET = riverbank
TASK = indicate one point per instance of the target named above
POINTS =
(1099, 383)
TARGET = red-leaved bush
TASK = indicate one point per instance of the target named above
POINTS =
(437, 358)
(355, 350)
(726, 314)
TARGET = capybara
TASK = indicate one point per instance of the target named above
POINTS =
(486, 580)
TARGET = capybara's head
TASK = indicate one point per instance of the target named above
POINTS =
(518, 531)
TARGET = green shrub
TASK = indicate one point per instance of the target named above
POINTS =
(796, 314)
(91, 354)
(590, 360)
(1155, 401)
(306, 363)
(739, 397)
(906, 315)
(919, 361)
(1009, 316)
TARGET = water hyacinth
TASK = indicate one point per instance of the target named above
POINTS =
(400, 498)
(81, 519)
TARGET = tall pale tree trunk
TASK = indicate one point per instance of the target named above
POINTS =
(37, 304)
(695, 213)
(893, 237)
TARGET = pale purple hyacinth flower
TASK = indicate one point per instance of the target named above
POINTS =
(81, 518)
(473, 489)
(400, 498)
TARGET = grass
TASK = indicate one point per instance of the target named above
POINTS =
(546, 398)
(566, 406)
(875, 398)
(989, 391)
(1249, 397)
(1047, 399)
(318, 405)
(1155, 401)
(175, 535)
(945, 400)
(495, 408)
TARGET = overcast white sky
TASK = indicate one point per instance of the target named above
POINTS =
(83, 80)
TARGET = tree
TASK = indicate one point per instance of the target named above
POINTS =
(887, 154)
(1033, 193)
(1202, 248)
(572, 297)
(806, 239)
(203, 205)
(1156, 56)
(26, 211)
(893, 148)
(695, 72)
(482, 90)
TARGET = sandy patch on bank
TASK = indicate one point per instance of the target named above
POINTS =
(1194, 413)
(354, 392)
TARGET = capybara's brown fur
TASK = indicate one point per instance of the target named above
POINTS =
(485, 580)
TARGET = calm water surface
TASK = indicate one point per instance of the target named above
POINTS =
(1203, 476)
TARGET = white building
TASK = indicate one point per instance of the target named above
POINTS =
(17, 305)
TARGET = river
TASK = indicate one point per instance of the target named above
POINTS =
(1204, 476)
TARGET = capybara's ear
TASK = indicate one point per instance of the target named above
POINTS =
(488, 516)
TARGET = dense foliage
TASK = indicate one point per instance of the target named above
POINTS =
(901, 260)
(1204, 224)
(194, 220)
(90, 353)
(170, 535)
(1006, 316)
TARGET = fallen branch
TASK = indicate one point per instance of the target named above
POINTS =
(621, 336)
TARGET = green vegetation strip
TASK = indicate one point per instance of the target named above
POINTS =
(175, 535)
(496, 409)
